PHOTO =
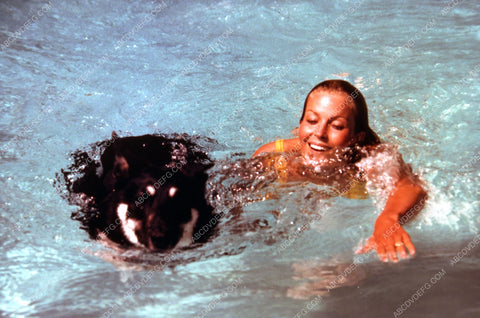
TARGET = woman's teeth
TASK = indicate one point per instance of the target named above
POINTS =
(318, 148)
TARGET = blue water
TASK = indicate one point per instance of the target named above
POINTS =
(72, 72)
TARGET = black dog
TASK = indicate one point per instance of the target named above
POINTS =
(146, 191)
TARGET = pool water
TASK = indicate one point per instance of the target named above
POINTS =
(236, 71)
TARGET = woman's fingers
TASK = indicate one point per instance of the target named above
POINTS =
(400, 248)
(399, 245)
(369, 245)
(390, 249)
(382, 252)
(408, 243)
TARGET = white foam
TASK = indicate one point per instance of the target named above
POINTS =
(382, 168)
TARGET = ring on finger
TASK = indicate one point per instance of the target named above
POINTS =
(398, 244)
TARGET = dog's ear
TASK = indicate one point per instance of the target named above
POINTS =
(120, 166)
(115, 168)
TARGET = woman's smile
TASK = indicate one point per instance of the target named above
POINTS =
(320, 148)
(328, 123)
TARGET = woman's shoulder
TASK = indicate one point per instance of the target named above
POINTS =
(270, 147)
(292, 144)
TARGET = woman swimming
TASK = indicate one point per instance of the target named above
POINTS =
(334, 126)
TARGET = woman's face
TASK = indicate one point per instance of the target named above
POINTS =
(329, 122)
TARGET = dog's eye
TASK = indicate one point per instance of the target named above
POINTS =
(172, 191)
(150, 190)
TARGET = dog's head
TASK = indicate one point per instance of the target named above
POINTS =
(144, 191)
(156, 213)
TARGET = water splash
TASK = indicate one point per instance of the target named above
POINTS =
(269, 197)
(382, 168)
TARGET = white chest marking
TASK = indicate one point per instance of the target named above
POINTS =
(128, 225)
(188, 228)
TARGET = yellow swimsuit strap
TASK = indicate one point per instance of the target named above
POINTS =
(279, 145)
(280, 163)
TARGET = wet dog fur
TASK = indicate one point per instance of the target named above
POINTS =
(145, 191)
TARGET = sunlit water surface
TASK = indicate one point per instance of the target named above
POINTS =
(238, 72)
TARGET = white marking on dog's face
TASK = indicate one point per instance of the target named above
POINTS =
(187, 236)
(151, 190)
(172, 191)
(128, 225)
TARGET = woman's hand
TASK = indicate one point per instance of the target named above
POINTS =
(390, 240)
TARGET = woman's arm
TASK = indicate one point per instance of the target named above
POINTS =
(389, 238)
